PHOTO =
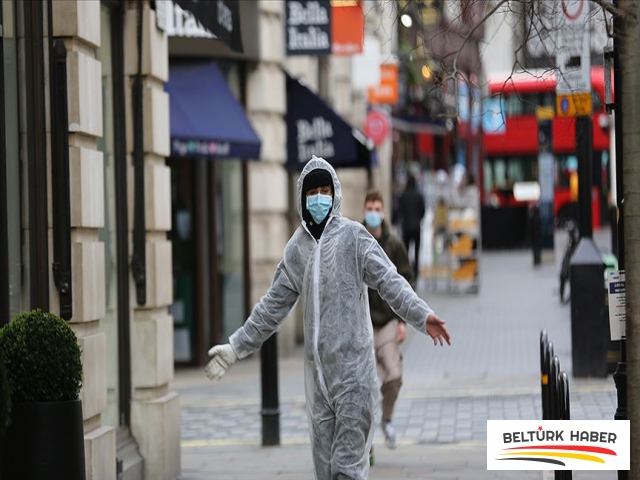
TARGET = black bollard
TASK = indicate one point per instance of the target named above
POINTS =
(544, 374)
(552, 391)
(270, 398)
(565, 408)
(565, 411)
(536, 235)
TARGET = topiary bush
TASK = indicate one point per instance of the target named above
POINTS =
(42, 358)
(5, 399)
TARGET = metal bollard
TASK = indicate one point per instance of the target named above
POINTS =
(551, 413)
(544, 374)
(554, 388)
(564, 411)
(565, 407)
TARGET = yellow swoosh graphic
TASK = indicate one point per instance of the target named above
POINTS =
(577, 456)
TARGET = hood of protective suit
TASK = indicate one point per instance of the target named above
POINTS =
(321, 163)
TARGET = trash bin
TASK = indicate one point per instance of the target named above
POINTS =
(590, 337)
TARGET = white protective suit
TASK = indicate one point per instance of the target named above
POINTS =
(331, 277)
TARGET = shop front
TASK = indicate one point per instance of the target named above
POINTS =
(210, 138)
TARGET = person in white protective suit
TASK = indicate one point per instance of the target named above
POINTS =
(328, 263)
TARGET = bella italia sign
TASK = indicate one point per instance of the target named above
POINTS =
(315, 137)
(308, 27)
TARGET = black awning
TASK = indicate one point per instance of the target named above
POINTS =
(220, 17)
(205, 118)
(314, 128)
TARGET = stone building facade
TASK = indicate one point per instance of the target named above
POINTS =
(131, 416)
(120, 198)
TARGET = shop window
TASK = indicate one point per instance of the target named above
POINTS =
(230, 243)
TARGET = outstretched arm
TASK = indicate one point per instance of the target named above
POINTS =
(381, 275)
(272, 308)
(266, 315)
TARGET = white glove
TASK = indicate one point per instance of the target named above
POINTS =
(222, 357)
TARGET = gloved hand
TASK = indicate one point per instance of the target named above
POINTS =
(222, 357)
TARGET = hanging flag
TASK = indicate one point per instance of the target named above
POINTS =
(347, 27)
(387, 91)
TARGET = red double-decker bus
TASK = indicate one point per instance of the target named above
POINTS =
(510, 143)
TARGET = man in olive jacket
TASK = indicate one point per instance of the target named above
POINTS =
(388, 331)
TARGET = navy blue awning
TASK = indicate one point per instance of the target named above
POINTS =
(205, 118)
(314, 128)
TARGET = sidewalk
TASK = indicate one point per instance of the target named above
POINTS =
(491, 371)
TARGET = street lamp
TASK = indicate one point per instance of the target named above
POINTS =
(406, 20)
(426, 72)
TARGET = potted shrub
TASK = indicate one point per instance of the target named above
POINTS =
(5, 399)
(45, 438)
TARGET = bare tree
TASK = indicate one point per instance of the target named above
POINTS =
(618, 19)
(627, 35)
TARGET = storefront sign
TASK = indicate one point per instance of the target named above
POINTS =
(347, 27)
(218, 17)
(387, 91)
(308, 27)
(177, 22)
(199, 148)
(377, 126)
(314, 128)
(315, 137)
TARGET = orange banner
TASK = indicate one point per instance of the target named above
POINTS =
(347, 27)
(387, 91)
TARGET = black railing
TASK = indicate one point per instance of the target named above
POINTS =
(5, 311)
(555, 391)
(60, 174)
(138, 259)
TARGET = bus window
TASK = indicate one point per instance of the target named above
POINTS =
(487, 176)
(548, 99)
(596, 101)
(499, 174)
(513, 105)
(526, 103)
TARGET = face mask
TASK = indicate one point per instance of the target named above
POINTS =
(319, 206)
(372, 219)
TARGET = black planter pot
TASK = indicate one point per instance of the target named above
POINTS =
(45, 441)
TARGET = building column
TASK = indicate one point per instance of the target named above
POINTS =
(78, 23)
(155, 410)
(268, 191)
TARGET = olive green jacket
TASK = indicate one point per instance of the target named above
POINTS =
(381, 312)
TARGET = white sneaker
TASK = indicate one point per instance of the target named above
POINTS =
(389, 435)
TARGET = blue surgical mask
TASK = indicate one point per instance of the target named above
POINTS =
(372, 219)
(319, 206)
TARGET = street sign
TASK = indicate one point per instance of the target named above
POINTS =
(377, 126)
(573, 88)
(617, 304)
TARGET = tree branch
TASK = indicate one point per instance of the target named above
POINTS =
(472, 30)
(613, 10)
